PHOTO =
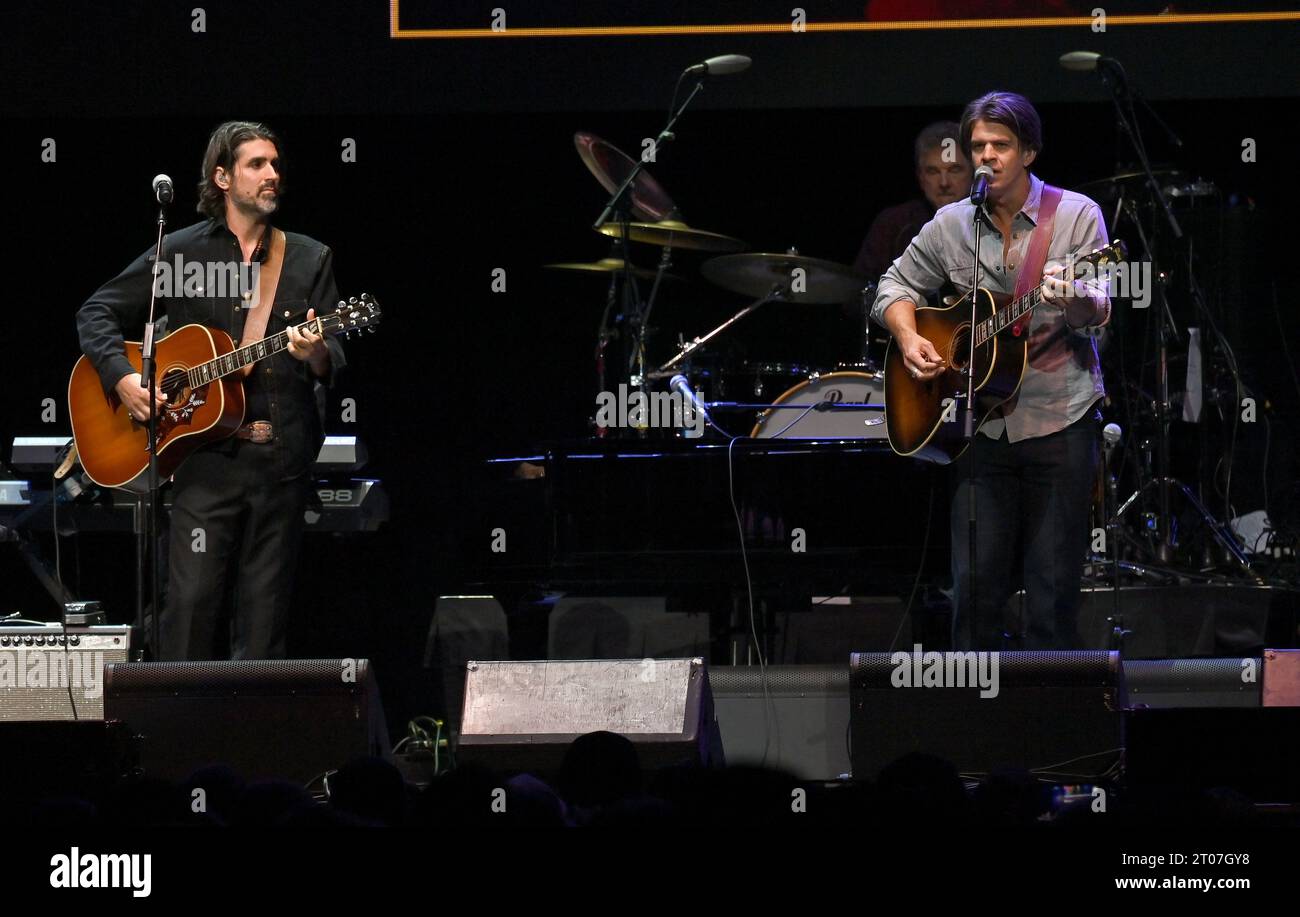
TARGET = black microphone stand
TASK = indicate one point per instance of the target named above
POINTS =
(968, 424)
(147, 533)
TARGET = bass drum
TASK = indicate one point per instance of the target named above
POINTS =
(812, 422)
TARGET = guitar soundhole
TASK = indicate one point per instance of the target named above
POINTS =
(181, 399)
(959, 348)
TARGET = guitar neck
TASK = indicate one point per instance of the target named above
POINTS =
(237, 359)
(1106, 257)
(1014, 311)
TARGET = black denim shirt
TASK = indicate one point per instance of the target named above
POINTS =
(283, 388)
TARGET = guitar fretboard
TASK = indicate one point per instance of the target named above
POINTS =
(1008, 316)
(237, 359)
(1018, 308)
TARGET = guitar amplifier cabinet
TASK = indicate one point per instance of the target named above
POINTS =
(55, 673)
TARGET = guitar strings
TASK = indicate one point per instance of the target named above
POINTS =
(174, 383)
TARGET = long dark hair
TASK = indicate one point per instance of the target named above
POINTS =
(222, 146)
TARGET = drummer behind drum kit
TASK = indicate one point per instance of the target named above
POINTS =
(846, 403)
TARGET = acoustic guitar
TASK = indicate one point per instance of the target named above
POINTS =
(199, 369)
(923, 417)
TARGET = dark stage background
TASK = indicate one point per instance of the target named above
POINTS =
(465, 163)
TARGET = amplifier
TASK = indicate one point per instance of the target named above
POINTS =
(52, 673)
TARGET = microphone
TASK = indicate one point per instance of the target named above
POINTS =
(162, 189)
(979, 188)
(1081, 61)
(679, 385)
(720, 66)
(1111, 434)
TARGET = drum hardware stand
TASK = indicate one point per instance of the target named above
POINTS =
(691, 346)
(868, 299)
(1122, 95)
(1164, 481)
(636, 367)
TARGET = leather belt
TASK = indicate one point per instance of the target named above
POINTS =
(259, 431)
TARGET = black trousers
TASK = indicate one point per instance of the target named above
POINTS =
(1032, 501)
(236, 527)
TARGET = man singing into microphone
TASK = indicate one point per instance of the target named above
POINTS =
(1036, 458)
(237, 505)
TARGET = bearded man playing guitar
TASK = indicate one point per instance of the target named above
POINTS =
(238, 503)
(1036, 452)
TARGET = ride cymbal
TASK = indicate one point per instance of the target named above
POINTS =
(759, 274)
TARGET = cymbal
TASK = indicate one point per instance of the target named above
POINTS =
(611, 166)
(759, 274)
(1107, 190)
(676, 234)
(607, 266)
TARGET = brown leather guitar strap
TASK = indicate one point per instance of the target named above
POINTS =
(268, 278)
(1031, 269)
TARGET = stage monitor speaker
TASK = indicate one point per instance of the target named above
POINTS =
(1162, 683)
(53, 673)
(522, 716)
(294, 719)
(1043, 710)
(800, 725)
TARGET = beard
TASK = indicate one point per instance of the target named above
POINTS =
(259, 204)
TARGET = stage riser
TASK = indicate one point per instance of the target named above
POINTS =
(1172, 622)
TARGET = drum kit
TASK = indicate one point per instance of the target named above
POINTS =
(789, 400)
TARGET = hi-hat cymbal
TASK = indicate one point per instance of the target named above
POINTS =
(1189, 189)
(676, 234)
(761, 274)
(606, 266)
(611, 166)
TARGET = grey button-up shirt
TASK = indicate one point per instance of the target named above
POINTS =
(1063, 378)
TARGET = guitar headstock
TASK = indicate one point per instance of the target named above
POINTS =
(1113, 253)
(357, 314)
